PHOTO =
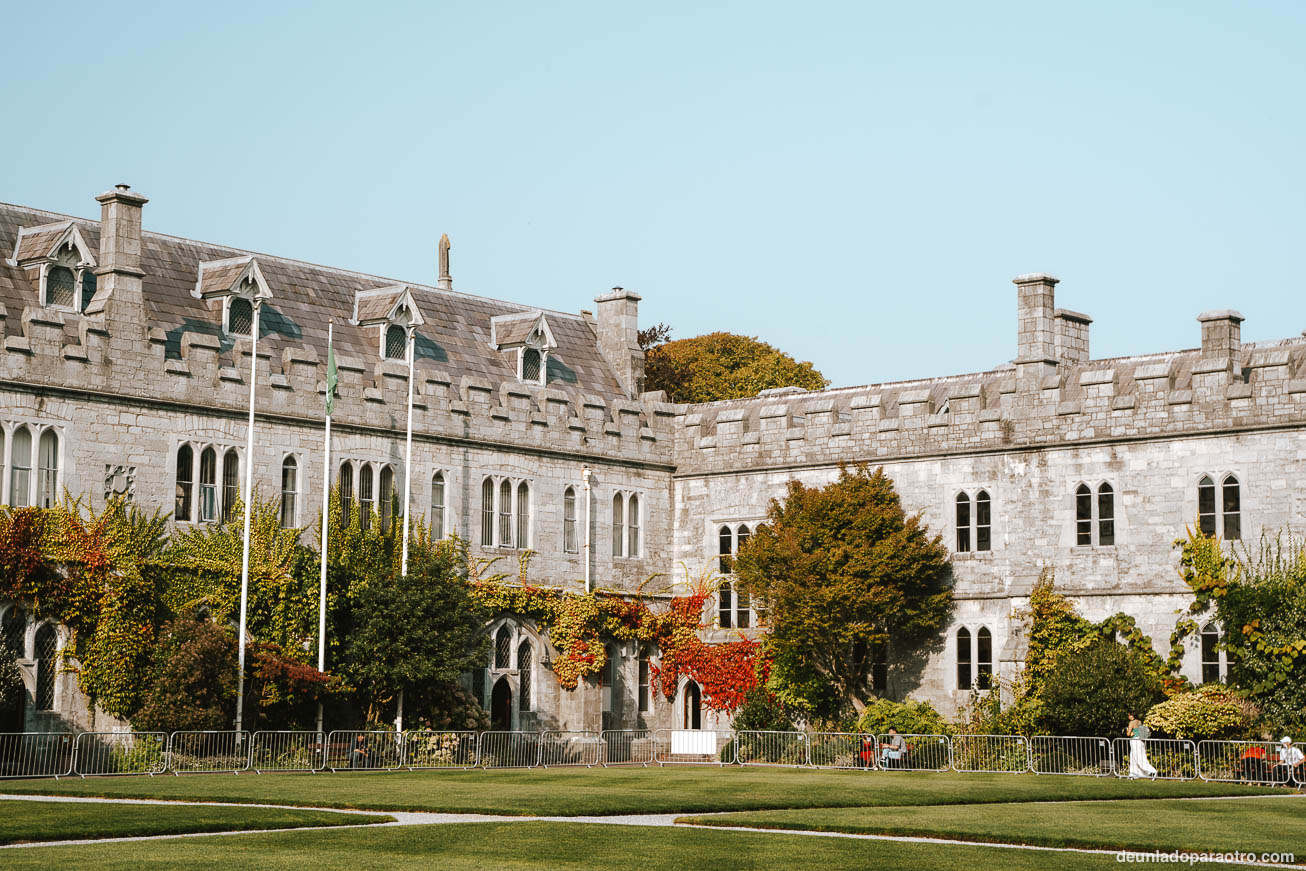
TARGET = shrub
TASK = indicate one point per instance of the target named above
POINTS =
(909, 718)
(1209, 712)
(762, 712)
(192, 679)
(1092, 691)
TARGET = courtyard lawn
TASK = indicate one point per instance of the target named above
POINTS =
(28, 821)
(582, 792)
(533, 845)
(1259, 825)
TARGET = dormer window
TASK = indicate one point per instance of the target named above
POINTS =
(531, 364)
(57, 257)
(396, 343)
(528, 334)
(60, 287)
(240, 316)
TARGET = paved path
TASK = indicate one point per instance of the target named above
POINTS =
(415, 818)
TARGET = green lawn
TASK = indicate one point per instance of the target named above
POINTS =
(1260, 825)
(27, 821)
(527, 845)
(573, 792)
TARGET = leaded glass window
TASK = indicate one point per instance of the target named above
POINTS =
(59, 286)
(185, 483)
(47, 477)
(240, 316)
(963, 523)
(963, 659)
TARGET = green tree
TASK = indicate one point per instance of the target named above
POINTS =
(843, 569)
(1093, 691)
(192, 679)
(416, 634)
(722, 366)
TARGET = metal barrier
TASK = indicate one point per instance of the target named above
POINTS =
(851, 750)
(990, 753)
(508, 750)
(1241, 762)
(693, 747)
(627, 746)
(286, 751)
(1088, 757)
(36, 754)
(921, 753)
(208, 752)
(570, 748)
(429, 749)
(771, 748)
(1156, 758)
(361, 750)
(100, 753)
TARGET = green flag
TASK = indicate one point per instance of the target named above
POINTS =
(332, 379)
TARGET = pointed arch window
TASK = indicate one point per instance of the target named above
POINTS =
(60, 287)
(632, 526)
(487, 513)
(185, 483)
(365, 497)
(396, 342)
(289, 492)
(1212, 672)
(1083, 516)
(505, 513)
(1206, 505)
(569, 537)
(230, 483)
(1106, 515)
(618, 524)
(531, 363)
(346, 493)
(524, 662)
(503, 648)
(47, 478)
(964, 659)
(523, 515)
(240, 316)
(983, 521)
(645, 685)
(1231, 508)
(387, 495)
(963, 523)
(47, 651)
(437, 505)
(984, 658)
(726, 606)
(20, 464)
(726, 549)
(208, 485)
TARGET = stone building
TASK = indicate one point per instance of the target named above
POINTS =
(125, 369)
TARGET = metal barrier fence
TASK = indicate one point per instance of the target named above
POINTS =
(920, 753)
(1241, 762)
(509, 749)
(692, 747)
(429, 749)
(208, 752)
(286, 751)
(1089, 757)
(990, 753)
(360, 750)
(1156, 758)
(570, 748)
(36, 754)
(771, 748)
(627, 746)
(851, 750)
(99, 753)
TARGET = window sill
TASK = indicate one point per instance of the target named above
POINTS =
(973, 555)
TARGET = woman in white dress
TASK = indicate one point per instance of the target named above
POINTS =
(1138, 764)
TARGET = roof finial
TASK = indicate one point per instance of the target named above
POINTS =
(445, 281)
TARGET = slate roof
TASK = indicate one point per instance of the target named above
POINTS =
(38, 244)
(454, 340)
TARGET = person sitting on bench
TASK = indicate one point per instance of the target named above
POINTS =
(893, 750)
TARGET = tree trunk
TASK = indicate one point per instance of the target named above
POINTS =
(399, 712)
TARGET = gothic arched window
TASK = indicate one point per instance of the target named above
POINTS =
(1206, 505)
(1083, 516)
(963, 523)
(523, 515)
(1211, 653)
(346, 492)
(47, 475)
(503, 648)
(1231, 508)
(984, 658)
(185, 483)
(208, 485)
(396, 343)
(524, 663)
(618, 524)
(240, 316)
(437, 505)
(569, 543)
(964, 674)
(386, 497)
(505, 513)
(487, 513)
(230, 483)
(632, 526)
(47, 651)
(60, 284)
(365, 497)
(983, 521)
(289, 492)
(1106, 515)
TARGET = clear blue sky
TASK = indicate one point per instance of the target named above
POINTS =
(855, 183)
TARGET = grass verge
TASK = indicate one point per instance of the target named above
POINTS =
(34, 821)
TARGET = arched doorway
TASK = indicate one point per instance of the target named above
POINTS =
(501, 706)
(692, 707)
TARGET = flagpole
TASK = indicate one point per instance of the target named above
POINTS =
(408, 490)
(256, 305)
(326, 501)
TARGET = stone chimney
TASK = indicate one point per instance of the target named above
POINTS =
(118, 278)
(1072, 336)
(1036, 327)
(1221, 333)
(618, 331)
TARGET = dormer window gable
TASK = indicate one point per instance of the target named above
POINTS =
(395, 315)
(528, 334)
(239, 283)
(60, 262)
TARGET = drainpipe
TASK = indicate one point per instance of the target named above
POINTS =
(585, 476)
